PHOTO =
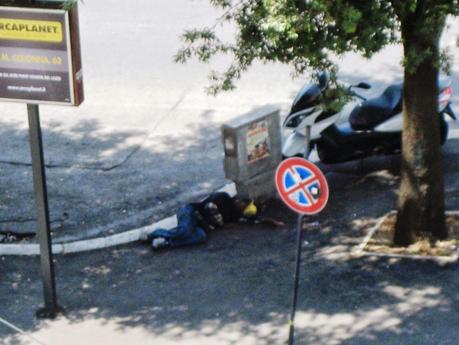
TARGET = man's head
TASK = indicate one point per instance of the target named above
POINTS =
(213, 215)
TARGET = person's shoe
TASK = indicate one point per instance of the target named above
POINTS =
(159, 242)
(10, 238)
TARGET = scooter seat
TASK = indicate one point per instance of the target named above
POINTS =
(375, 111)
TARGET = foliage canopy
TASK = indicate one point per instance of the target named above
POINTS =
(305, 33)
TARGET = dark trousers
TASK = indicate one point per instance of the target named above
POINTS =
(187, 231)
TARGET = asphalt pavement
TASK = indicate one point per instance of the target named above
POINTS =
(146, 140)
(236, 288)
(147, 137)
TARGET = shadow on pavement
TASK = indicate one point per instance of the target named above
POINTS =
(101, 183)
(236, 289)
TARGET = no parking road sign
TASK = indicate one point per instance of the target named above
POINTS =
(302, 186)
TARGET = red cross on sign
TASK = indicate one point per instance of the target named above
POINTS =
(302, 186)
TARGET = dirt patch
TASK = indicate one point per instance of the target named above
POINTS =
(381, 241)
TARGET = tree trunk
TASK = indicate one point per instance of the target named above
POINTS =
(421, 203)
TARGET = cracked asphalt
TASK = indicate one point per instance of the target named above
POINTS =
(147, 137)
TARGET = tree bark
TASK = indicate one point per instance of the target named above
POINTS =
(421, 203)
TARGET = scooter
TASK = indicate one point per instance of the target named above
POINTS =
(362, 128)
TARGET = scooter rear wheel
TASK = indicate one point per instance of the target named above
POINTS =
(444, 128)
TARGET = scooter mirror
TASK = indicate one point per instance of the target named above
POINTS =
(323, 77)
(363, 85)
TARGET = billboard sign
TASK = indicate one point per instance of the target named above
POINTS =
(40, 59)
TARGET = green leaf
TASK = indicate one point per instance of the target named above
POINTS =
(306, 33)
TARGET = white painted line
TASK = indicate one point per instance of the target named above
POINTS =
(99, 242)
(360, 251)
(20, 331)
(439, 259)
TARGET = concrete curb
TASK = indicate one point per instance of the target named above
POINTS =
(99, 242)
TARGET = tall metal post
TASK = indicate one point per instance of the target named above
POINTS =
(308, 142)
(41, 198)
(318, 197)
(299, 240)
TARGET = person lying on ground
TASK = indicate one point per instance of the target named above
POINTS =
(196, 220)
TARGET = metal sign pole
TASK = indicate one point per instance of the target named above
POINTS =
(308, 142)
(41, 198)
(304, 189)
(299, 239)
